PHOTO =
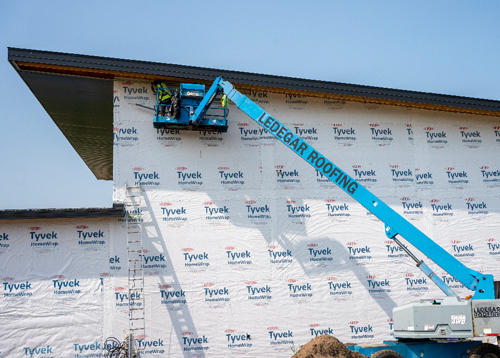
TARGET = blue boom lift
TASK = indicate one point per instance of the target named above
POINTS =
(436, 328)
(194, 110)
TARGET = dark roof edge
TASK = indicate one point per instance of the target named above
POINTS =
(280, 82)
(117, 211)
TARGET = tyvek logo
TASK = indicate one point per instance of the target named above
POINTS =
(456, 178)
(279, 256)
(215, 213)
(135, 93)
(364, 175)
(192, 343)
(152, 346)
(435, 139)
(475, 208)
(441, 209)
(260, 214)
(231, 178)
(462, 250)
(189, 179)
(423, 179)
(193, 259)
(393, 250)
(377, 285)
(170, 137)
(89, 237)
(248, 134)
(336, 210)
(345, 136)
(172, 296)
(306, 133)
(218, 295)
(173, 214)
(122, 299)
(415, 284)
(238, 257)
(339, 288)
(43, 239)
(287, 178)
(411, 207)
(277, 336)
(490, 177)
(153, 261)
(400, 175)
(66, 287)
(89, 348)
(17, 289)
(146, 178)
(315, 332)
(297, 211)
(319, 254)
(470, 138)
(359, 331)
(391, 322)
(301, 291)
(358, 252)
(258, 293)
(237, 340)
(381, 136)
(493, 246)
(125, 135)
(38, 350)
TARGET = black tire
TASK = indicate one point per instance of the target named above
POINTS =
(387, 353)
(484, 350)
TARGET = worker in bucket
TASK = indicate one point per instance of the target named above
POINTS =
(164, 97)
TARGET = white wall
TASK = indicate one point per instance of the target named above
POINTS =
(252, 236)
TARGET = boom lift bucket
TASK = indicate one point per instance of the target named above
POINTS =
(189, 98)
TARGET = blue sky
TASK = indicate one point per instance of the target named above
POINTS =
(449, 47)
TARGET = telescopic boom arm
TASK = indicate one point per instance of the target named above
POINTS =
(395, 224)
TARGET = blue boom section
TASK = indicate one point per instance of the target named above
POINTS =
(395, 223)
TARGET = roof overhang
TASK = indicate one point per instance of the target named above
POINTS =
(77, 93)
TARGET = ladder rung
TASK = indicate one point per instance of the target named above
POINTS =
(136, 309)
(134, 260)
(134, 232)
(134, 250)
(130, 242)
(135, 279)
(135, 269)
(135, 319)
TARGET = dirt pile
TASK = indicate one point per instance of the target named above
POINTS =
(326, 347)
